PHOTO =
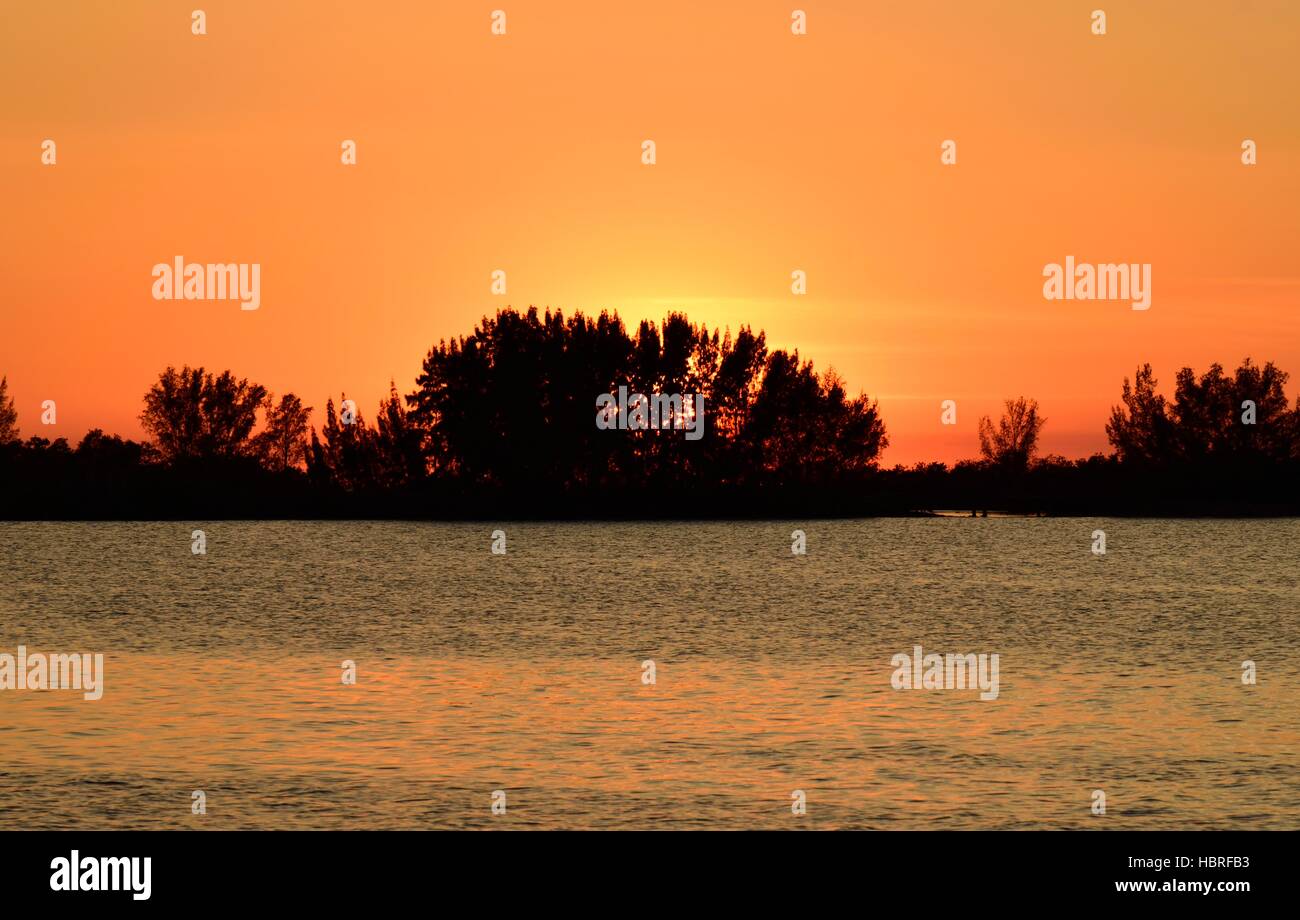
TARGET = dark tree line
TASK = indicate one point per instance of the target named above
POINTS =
(1212, 421)
(502, 423)
(514, 405)
(350, 454)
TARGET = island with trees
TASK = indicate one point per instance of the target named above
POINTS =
(500, 424)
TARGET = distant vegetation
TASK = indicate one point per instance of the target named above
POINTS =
(502, 423)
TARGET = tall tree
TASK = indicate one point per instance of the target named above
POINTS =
(173, 413)
(8, 414)
(348, 456)
(398, 443)
(282, 444)
(1014, 440)
(1140, 430)
(230, 412)
(191, 414)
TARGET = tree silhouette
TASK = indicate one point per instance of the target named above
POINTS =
(109, 454)
(1205, 423)
(503, 422)
(399, 443)
(348, 457)
(1208, 413)
(193, 415)
(513, 405)
(1140, 430)
(282, 444)
(8, 414)
(1015, 439)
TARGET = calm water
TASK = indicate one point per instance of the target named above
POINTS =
(522, 673)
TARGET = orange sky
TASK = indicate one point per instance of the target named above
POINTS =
(775, 152)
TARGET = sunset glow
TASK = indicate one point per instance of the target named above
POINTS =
(774, 154)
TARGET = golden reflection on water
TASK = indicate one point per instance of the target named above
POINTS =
(282, 742)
